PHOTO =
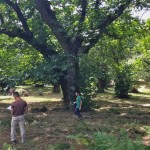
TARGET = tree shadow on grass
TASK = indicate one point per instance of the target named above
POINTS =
(54, 125)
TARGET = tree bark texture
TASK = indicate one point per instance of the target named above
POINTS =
(56, 88)
(69, 82)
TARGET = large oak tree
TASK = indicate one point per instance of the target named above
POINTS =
(55, 27)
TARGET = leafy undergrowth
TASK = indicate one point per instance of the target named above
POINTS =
(114, 124)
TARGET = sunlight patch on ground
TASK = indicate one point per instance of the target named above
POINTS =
(144, 89)
(146, 105)
(5, 97)
(146, 140)
(103, 108)
(41, 99)
(123, 114)
(140, 94)
(33, 99)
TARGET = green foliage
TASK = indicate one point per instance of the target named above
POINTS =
(80, 139)
(61, 146)
(86, 99)
(114, 111)
(5, 122)
(86, 89)
(146, 66)
(49, 71)
(141, 52)
(74, 27)
(82, 127)
(93, 68)
(147, 128)
(104, 141)
(16, 59)
(123, 81)
(8, 147)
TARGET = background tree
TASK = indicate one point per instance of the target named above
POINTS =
(122, 40)
(114, 56)
(142, 55)
(16, 59)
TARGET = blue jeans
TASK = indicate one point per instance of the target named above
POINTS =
(77, 112)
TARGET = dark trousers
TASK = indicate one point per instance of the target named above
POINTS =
(77, 112)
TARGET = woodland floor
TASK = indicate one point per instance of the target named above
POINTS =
(61, 129)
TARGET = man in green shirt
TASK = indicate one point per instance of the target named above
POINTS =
(78, 105)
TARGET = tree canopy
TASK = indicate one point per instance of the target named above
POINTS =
(63, 27)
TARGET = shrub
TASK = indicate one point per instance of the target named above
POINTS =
(123, 81)
(61, 146)
(8, 147)
(104, 141)
(87, 89)
(5, 122)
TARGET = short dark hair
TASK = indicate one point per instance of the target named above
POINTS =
(16, 94)
(77, 91)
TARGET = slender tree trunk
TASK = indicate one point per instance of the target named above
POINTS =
(56, 88)
(101, 85)
(63, 84)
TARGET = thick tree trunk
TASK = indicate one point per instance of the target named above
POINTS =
(63, 84)
(72, 80)
(69, 83)
(56, 88)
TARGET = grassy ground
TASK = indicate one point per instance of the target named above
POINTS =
(59, 129)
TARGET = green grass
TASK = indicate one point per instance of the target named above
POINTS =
(101, 128)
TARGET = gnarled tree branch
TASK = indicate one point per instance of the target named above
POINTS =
(15, 33)
(49, 17)
(45, 50)
(25, 33)
(83, 12)
(21, 18)
(97, 3)
(78, 39)
(103, 25)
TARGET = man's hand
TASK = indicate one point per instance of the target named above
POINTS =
(72, 103)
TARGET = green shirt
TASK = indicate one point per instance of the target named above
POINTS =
(78, 101)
